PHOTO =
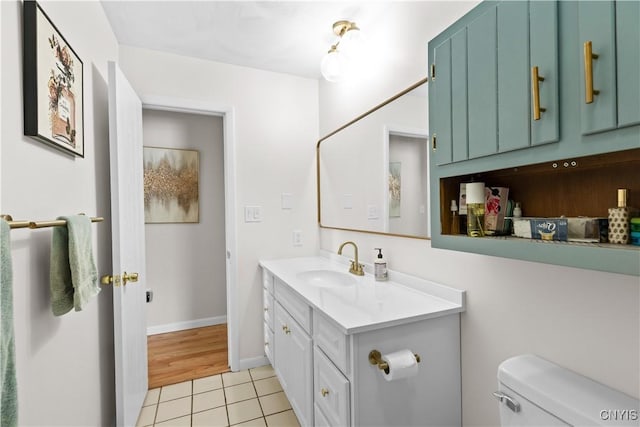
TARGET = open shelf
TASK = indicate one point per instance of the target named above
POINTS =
(585, 186)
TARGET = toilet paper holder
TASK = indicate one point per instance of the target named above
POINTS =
(375, 358)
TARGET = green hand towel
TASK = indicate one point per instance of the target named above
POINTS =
(73, 277)
(8, 383)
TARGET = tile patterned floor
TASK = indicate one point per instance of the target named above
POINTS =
(252, 398)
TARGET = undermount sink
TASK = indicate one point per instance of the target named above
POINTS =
(327, 278)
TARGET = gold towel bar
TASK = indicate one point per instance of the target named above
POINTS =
(41, 224)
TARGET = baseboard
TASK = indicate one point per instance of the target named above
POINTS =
(188, 324)
(254, 362)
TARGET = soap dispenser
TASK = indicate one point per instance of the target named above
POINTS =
(380, 267)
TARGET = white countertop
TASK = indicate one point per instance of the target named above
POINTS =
(368, 304)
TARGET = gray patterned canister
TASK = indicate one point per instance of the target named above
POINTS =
(619, 220)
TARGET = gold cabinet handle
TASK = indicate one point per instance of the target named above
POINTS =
(589, 56)
(286, 329)
(433, 142)
(535, 87)
(324, 392)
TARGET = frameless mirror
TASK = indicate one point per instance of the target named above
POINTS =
(373, 172)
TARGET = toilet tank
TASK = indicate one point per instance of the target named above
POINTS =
(535, 392)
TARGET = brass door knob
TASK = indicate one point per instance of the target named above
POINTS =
(324, 392)
(119, 280)
(109, 279)
(131, 277)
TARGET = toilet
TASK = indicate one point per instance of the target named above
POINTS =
(535, 392)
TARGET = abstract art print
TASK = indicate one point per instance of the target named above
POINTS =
(395, 181)
(53, 84)
(171, 185)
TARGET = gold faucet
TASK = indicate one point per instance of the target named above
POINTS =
(356, 267)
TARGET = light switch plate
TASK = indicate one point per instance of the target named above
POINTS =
(252, 213)
(372, 212)
(286, 200)
(347, 201)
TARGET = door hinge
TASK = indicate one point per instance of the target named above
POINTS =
(434, 144)
(433, 72)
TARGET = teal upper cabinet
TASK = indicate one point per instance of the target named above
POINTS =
(513, 75)
(610, 43)
(596, 29)
(543, 51)
(482, 76)
(628, 61)
(485, 100)
(509, 105)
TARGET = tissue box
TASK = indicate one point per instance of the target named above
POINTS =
(541, 228)
(586, 229)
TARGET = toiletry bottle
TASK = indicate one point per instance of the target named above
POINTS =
(462, 208)
(517, 211)
(619, 220)
(455, 218)
(475, 209)
(380, 267)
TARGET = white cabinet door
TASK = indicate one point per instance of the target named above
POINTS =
(294, 364)
(331, 391)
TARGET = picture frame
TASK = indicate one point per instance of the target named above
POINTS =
(53, 82)
(171, 185)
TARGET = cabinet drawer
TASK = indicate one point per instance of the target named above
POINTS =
(319, 418)
(332, 341)
(267, 281)
(267, 304)
(294, 304)
(269, 346)
(331, 390)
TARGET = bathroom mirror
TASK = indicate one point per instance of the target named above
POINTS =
(373, 171)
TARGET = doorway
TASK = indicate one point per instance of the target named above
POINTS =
(191, 266)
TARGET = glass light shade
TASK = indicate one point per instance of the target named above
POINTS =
(351, 42)
(333, 66)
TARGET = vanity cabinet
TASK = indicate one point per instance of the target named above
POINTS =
(269, 313)
(324, 367)
(294, 351)
(483, 102)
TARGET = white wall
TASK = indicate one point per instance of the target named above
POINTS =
(586, 320)
(276, 128)
(64, 364)
(186, 262)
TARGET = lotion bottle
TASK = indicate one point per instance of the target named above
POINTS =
(380, 267)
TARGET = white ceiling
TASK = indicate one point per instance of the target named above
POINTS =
(283, 36)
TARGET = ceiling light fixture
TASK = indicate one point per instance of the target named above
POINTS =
(335, 62)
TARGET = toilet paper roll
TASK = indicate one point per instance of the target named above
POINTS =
(402, 364)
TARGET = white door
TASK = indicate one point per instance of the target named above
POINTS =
(128, 251)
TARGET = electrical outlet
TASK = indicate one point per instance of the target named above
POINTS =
(297, 238)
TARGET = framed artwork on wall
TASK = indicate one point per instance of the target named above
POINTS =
(53, 84)
(395, 186)
(171, 185)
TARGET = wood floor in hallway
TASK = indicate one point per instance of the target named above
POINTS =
(180, 356)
